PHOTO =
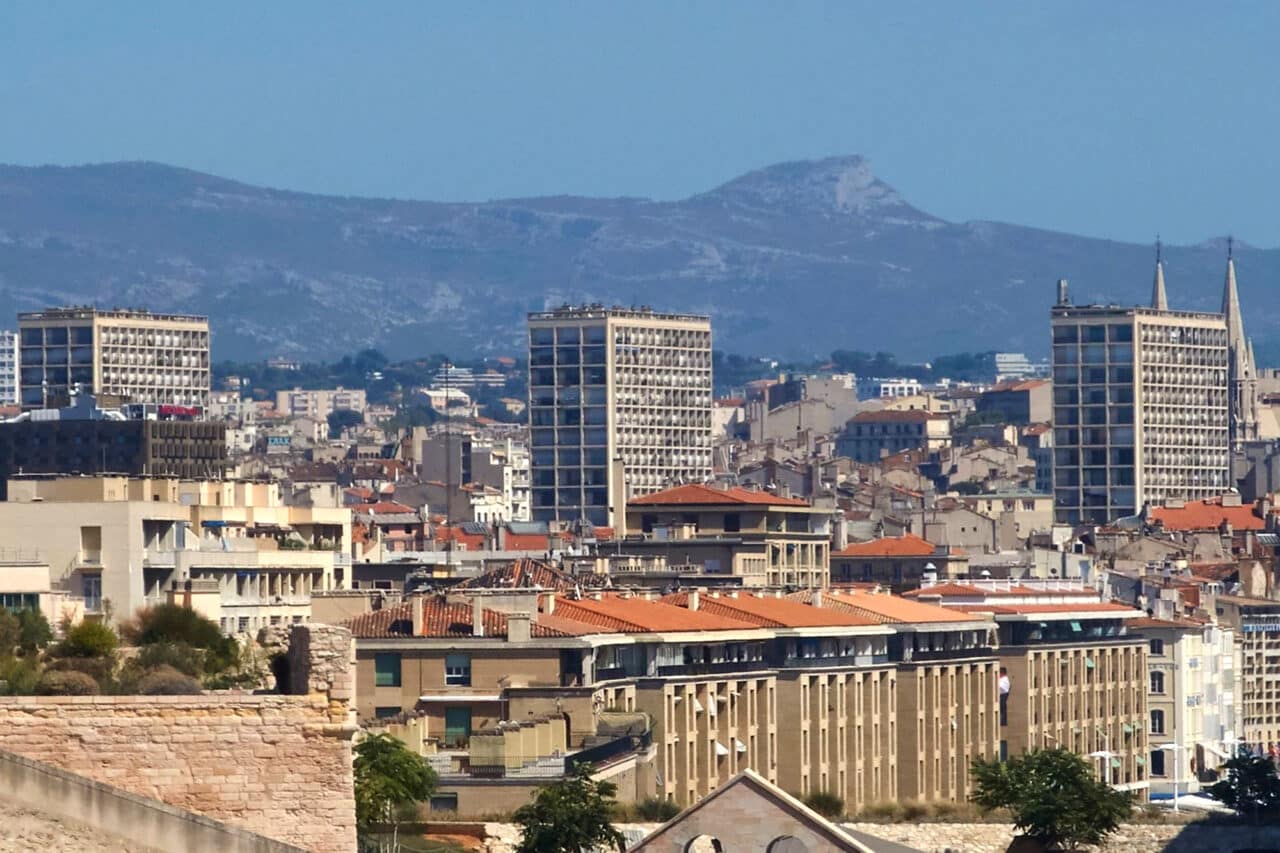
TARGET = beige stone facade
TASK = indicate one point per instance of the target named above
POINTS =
(279, 765)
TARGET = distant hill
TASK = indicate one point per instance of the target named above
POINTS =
(793, 260)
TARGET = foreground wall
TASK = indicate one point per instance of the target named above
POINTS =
(1131, 838)
(272, 764)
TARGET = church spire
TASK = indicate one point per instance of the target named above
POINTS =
(1159, 300)
(1242, 375)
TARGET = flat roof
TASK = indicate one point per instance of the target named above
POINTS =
(600, 312)
(88, 312)
(1104, 311)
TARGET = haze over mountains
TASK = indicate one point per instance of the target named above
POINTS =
(793, 260)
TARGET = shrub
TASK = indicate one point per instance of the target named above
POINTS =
(178, 656)
(656, 809)
(175, 625)
(34, 631)
(88, 640)
(18, 676)
(67, 683)
(164, 680)
(887, 812)
(100, 670)
(826, 804)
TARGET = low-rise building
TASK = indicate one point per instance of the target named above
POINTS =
(896, 562)
(869, 436)
(319, 403)
(764, 538)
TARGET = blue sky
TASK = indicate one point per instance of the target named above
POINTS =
(1109, 119)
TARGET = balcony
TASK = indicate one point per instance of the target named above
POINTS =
(942, 655)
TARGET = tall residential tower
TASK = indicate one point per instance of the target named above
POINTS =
(1140, 407)
(136, 356)
(619, 406)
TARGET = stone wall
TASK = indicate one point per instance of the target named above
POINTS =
(1131, 838)
(279, 765)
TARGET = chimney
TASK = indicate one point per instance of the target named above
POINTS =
(416, 605)
(477, 616)
(693, 599)
(817, 598)
(519, 627)
(1063, 297)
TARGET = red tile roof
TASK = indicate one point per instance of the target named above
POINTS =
(696, 494)
(473, 541)
(439, 619)
(527, 542)
(522, 574)
(388, 508)
(615, 614)
(945, 589)
(770, 612)
(881, 608)
(1208, 515)
(891, 416)
(906, 545)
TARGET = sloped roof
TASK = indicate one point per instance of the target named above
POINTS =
(1208, 515)
(668, 836)
(1014, 590)
(883, 609)
(439, 619)
(770, 612)
(697, 494)
(906, 545)
(612, 613)
(522, 574)
(890, 416)
(1031, 609)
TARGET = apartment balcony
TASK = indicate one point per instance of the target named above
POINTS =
(242, 560)
(836, 662)
(945, 655)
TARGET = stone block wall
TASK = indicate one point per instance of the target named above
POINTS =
(279, 765)
(1131, 838)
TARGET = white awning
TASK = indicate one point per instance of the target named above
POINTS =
(697, 706)
(1216, 751)
(721, 749)
(739, 745)
(460, 697)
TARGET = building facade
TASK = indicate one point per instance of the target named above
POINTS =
(320, 403)
(135, 356)
(872, 435)
(1256, 624)
(8, 368)
(619, 407)
(1140, 408)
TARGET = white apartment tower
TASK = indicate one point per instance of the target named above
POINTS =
(136, 356)
(1140, 406)
(619, 406)
(8, 368)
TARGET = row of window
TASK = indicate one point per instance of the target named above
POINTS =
(388, 670)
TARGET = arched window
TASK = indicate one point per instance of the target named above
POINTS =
(704, 844)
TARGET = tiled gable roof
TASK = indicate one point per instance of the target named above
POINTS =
(522, 574)
(770, 612)
(906, 545)
(696, 494)
(439, 619)
(613, 613)
(883, 609)
(1208, 515)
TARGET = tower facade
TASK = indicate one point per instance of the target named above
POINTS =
(1242, 372)
(619, 407)
(1140, 408)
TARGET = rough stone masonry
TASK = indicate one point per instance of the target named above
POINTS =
(279, 765)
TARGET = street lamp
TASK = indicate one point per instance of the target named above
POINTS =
(1175, 748)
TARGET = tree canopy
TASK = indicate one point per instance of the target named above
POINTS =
(1052, 796)
(388, 777)
(1250, 786)
(570, 816)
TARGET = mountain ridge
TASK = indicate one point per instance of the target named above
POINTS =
(792, 259)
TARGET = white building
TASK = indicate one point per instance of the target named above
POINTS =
(8, 368)
(879, 388)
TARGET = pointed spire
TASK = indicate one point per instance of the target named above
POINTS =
(1231, 307)
(1252, 364)
(1159, 300)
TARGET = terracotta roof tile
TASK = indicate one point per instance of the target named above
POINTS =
(890, 416)
(906, 545)
(613, 613)
(439, 619)
(883, 609)
(1208, 515)
(696, 494)
(770, 612)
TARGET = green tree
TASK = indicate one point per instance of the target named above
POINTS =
(1053, 797)
(1250, 786)
(570, 816)
(388, 778)
(88, 640)
(341, 419)
(33, 630)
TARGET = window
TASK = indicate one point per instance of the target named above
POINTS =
(444, 802)
(1157, 760)
(383, 713)
(1157, 725)
(457, 670)
(457, 726)
(386, 670)
(1157, 682)
(1157, 648)
(732, 522)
